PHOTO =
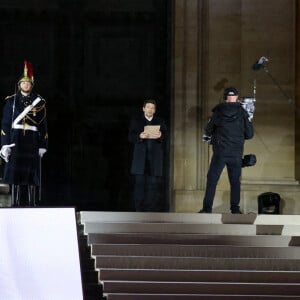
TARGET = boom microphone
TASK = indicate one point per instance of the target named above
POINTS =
(259, 63)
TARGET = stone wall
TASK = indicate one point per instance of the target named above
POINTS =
(216, 43)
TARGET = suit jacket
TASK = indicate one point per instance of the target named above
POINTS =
(146, 151)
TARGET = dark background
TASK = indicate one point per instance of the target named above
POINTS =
(95, 62)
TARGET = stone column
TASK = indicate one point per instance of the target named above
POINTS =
(190, 154)
(297, 94)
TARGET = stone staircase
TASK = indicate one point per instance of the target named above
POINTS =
(191, 256)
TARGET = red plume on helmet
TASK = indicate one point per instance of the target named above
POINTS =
(29, 68)
(27, 73)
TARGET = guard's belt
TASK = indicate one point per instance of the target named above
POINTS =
(24, 127)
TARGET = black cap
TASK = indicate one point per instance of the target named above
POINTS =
(230, 91)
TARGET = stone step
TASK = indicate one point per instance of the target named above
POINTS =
(199, 275)
(195, 251)
(140, 217)
(5, 200)
(213, 288)
(222, 229)
(4, 188)
(193, 263)
(193, 239)
(136, 296)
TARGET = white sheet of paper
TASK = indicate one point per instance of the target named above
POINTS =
(152, 129)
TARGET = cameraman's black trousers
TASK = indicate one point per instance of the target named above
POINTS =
(234, 167)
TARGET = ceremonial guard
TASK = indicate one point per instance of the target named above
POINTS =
(24, 140)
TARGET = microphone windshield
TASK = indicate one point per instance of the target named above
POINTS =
(259, 63)
(257, 66)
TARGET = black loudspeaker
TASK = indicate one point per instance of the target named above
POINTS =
(269, 203)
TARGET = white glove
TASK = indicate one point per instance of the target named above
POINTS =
(42, 151)
(6, 151)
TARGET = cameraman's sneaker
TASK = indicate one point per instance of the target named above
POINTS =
(237, 212)
(202, 211)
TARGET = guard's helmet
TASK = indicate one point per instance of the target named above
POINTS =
(27, 73)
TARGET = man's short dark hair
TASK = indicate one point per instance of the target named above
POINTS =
(152, 101)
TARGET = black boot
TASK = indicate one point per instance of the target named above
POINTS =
(31, 195)
(15, 195)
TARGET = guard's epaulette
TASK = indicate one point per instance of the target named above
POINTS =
(10, 96)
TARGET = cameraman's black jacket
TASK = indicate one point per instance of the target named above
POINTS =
(229, 127)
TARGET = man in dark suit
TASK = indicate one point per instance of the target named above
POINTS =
(147, 133)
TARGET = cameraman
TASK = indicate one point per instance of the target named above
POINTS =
(229, 127)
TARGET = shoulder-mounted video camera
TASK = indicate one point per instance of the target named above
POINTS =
(249, 106)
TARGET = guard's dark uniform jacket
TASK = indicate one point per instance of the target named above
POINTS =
(24, 124)
(229, 127)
